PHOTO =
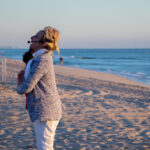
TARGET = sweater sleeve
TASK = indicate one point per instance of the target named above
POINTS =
(37, 70)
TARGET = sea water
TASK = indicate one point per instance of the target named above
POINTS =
(131, 63)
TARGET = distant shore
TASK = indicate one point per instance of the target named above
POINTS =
(102, 111)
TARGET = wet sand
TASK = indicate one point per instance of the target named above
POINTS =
(102, 112)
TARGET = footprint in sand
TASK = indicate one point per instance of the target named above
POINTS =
(88, 93)
(2, 132)
(148, 134)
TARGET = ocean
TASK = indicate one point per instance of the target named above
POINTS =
(130, 63)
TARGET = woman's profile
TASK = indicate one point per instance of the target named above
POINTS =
(38, 83)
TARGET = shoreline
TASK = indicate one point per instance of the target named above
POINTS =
(87, 73)
(104, 63)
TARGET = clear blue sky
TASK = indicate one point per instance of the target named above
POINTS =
(82, 23)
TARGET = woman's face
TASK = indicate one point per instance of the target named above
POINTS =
(35, 41)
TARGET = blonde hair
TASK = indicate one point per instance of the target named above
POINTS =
(50, 39)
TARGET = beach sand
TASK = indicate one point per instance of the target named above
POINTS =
(102, 112)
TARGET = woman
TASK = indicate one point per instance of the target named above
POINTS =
(44, 104)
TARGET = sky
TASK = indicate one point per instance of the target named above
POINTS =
(82, 23)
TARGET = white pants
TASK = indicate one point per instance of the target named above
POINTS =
(44, 133)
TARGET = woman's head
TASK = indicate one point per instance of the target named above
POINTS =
(47, 38)
(36, 40)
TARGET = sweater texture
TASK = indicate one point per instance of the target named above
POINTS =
(43, 100)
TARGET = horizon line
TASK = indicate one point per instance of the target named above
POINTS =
(75, 48)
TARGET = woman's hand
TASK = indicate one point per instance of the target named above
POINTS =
(20, 77)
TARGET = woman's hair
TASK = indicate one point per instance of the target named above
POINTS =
(50, 39)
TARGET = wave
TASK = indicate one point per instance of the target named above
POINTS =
(138, 76)
(78, 57)
(120, 58)
(88, 58)
(101, 58)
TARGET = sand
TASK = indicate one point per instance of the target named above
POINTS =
(102, 112)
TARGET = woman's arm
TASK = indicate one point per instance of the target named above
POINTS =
(37, 70)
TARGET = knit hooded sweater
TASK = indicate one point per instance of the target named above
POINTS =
(43, 100)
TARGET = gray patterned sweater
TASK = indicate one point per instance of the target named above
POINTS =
(42, 96)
